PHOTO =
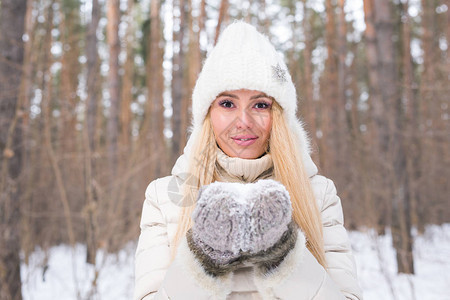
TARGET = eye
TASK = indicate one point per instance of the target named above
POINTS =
(226, 103)
(262, 105)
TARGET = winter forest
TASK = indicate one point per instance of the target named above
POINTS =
(95, 103)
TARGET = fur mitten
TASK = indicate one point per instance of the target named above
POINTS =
(235, 223)
(268, 259)
(271, 213)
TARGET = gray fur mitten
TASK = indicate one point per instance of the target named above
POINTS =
(271, 213)
(216, 234)
(269, 259)
(235, 222)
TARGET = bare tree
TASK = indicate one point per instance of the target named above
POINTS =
(93, 80)
(113, 16)
(194, 60)
(223, 13)
(178, 71)
(392, 145)
(155, 140)
(307, 106)
(70, 30)
(12, 28)
(90, 135)
(127, 82)
(329, 107)
(47, 91)
(376, 124)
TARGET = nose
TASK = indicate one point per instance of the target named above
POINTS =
(244, 119)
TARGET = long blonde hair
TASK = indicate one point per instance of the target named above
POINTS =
(288, 169)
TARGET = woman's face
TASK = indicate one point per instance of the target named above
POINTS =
(241, 121)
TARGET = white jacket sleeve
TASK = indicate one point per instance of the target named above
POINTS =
(153, 253)
(338, 253)
(298, 277)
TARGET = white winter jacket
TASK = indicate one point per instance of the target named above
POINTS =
(299, 276)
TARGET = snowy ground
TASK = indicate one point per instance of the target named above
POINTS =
(68, 277)
(377, 267)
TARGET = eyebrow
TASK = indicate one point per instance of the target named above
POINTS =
(261, 95)
(227, 95)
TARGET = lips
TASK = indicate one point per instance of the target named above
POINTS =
(244, 140)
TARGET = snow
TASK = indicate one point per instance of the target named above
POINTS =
(67, 276)
(377, 266)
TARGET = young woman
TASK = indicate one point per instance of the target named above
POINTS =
(244, 214)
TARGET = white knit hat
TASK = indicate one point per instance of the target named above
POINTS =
(245, 59)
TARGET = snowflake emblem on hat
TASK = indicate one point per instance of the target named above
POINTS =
(279, 74)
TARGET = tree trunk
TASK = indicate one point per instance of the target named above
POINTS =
(178, 89)
(428, 96)
(307, 107)
(47, 86)
(394, 146)
(113, 16)
(412, 118)
(127, 83)
(201, 22)
(93, 80)
(377, 125)
(360, 146)
(341, 132)
(90, 134)
(12, 28)
(223, 12)
(194, 66)
(330, 148)
(155, 83)
(25, 94)
(69, 27)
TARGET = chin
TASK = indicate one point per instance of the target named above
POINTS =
(249, 154)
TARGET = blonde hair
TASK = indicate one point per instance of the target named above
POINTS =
(201, 170)
(288, 169)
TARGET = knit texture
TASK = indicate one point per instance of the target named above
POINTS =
(242, 59)
(235, 169)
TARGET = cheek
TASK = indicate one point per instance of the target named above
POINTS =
(219, 122)
(265, 124)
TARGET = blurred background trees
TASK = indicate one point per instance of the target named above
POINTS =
(95, 99)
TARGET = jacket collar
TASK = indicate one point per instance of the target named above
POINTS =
(180, 168)
(243, 170)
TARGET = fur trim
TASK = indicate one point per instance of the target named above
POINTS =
(218, 287)
(269, 259)
(266, 281)
(215, 263)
